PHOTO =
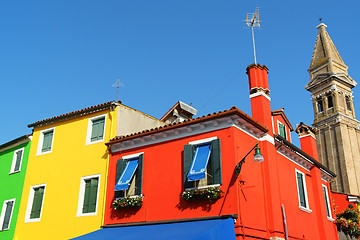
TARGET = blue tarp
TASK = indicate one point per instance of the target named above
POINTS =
(217, 229)
(127, 175)
(199, 163)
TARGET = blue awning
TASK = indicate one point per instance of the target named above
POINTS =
(199, 163)
(217, 229)
(127, 175)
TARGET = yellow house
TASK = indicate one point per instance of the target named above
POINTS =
(65, 182)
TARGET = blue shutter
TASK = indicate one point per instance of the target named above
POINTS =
(200, 162)
(127, 174)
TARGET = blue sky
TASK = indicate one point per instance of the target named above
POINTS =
(61, 56)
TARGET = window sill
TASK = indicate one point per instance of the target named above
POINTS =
(305, 209)
(32, 220)
(86, 214)
(133, 196)
(42, 153)
(330, 219)
(93, 142)
(14, 172)
(202, 187)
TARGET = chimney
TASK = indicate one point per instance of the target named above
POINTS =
(259, 94)
(307, 139)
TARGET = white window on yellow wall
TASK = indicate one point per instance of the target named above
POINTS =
(35, 203)
(46, 139)
(88, 195)
(96, 129)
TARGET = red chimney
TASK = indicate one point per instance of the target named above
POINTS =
(307, 139)
(259, 94)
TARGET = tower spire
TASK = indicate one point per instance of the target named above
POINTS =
(326, 57)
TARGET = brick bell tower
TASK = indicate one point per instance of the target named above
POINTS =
(338, 134)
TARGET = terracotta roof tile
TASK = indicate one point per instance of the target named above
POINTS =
(73, 113)
(232, 110)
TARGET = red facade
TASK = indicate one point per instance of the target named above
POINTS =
(260, 198)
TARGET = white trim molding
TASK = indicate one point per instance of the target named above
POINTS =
(90, 128)
(30, 203)
(13, 164)
(41, 141)
(79, 212)
(3, 211)
(307, 208)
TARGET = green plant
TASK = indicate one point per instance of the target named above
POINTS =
(348, 222)
(209, 193)
(127, 202)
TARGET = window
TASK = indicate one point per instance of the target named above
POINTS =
(327, 202)
(202, 163)
(348, 103)
(46, 141)
(96, 129)
(35, 203)
(6, 213)
(129, 171)
(302, 193)
(320, 106)
(330, 101)
(282, 130)
(88, 195)
(16, 162)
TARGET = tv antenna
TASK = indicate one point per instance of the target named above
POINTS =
(252, 20)
(117, 85)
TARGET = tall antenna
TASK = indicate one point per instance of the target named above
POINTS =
(252, 20)
(117, 85)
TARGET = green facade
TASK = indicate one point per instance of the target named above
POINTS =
(12, 176)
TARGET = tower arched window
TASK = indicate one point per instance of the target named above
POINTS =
(348, 103)
(330, 101)
(320, 106)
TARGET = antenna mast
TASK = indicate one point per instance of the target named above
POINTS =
(252, 20)
(117, 85)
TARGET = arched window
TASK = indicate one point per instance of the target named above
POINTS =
(348, 103)
(320, 106)
(330, 101)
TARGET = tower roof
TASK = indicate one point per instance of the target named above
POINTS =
(325, 50)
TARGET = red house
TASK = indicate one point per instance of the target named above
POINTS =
(197, 179)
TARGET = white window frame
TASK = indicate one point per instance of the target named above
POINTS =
(12, 170)
(307, 208)
(30, 203)
(328, 202)
(41, 141)
(90, 128)
(135, 155)
(199, 142)
(79, 212)
(2, 216)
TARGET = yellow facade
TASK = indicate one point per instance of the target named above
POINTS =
(62, 170)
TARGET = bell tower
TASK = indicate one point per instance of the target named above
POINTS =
(338, 134)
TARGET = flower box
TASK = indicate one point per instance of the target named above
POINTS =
(210, 193)
(133, 201)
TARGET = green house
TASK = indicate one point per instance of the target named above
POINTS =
(13, 162)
